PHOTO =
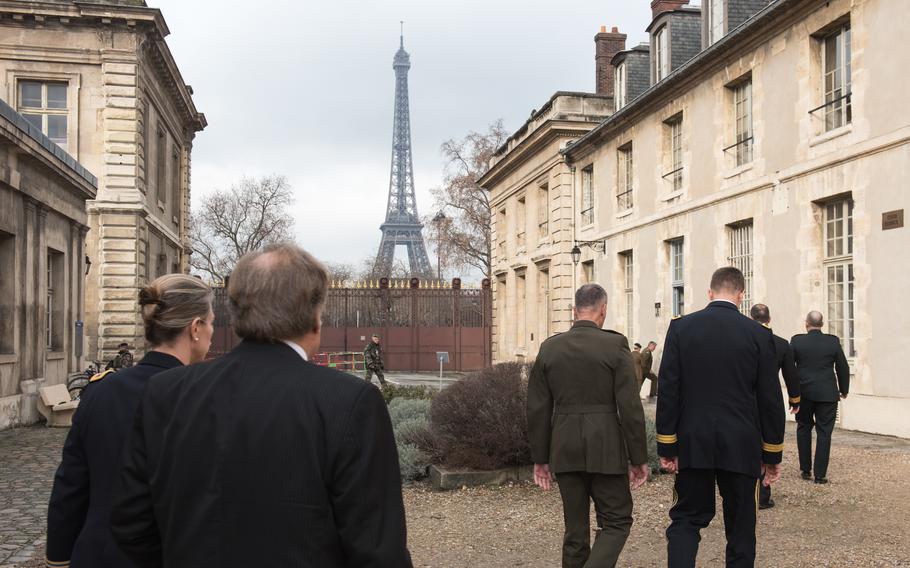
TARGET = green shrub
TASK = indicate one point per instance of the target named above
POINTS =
(412, 461)
(392, 391)
(651, 432)
(480, 422)
(404, 409)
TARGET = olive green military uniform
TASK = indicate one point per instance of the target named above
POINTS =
(636, 365)
(647, 360)
(586, 421)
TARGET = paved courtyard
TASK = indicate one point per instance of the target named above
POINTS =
(860, 519)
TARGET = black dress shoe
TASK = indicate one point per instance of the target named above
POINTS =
(821, 480)
(767, 505)
(806, 475)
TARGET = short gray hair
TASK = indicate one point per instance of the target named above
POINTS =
(590, 296)
(815, 319)
(277, 293)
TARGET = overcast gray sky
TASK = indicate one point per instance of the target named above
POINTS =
(306, 89)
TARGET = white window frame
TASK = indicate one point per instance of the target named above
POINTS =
(44, 111)
(716, 22)
(587, 195)
(837, 81)
(51, 291)
(742, 257)
(838, 271)
(522, 220)
(674, 139)
(742, 117)
(624, 178)
(543, 211)
(677, 276)
(628, 259)
(619, 89)
(661, 54)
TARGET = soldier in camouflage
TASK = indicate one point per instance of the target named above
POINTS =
(372, 358)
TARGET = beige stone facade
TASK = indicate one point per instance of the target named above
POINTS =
(782, 148)
(43, 225)
(98, 78)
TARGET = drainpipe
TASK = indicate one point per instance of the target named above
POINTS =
(571, 167)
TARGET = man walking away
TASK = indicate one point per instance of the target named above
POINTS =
(819, 357)
(260, 457)
(636, 365)
(372, 359)
(586, 425)
(762, 314)
(720, 421)
(647, 361)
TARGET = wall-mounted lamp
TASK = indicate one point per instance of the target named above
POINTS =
(596, 246)
(88, 264)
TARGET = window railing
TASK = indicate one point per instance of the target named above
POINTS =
(587, 216)
(848, 96)
(624, 200)
(742, 150)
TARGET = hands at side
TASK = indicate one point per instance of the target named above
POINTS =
(638, 475)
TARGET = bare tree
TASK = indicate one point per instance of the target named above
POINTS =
(342, 271)
(465, 235)
(370, 268)
(230, 223)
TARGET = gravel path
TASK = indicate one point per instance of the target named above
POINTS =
(862, 518)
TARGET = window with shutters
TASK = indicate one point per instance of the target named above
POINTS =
(838, 268)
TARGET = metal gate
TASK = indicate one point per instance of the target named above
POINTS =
(414, 319)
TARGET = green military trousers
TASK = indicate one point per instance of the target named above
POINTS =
(613, 508)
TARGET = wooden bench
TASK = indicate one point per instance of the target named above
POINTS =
(55, 404)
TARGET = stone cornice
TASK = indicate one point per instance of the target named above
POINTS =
(530, 146)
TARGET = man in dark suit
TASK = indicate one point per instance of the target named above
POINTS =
(587, 426)
(818, 357)
(720, 420)
(762, 314)
(259, 457)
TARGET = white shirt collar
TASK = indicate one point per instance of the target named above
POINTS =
(300, 350)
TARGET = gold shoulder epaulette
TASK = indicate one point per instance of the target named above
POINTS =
(766, 326)
(101, 375)
(676, 317)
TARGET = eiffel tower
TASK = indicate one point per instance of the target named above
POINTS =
(402, 226)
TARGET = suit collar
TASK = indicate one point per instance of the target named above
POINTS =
(159, 359)
(811, 331)
(585, 323)
(723, 304)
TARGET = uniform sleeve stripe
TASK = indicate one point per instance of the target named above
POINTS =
(666, 438)
(53, 564)
(794, 400)
(772, 448)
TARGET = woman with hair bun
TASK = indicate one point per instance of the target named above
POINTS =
(177, 316)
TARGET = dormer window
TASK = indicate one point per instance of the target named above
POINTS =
(619, 92)
(661, 54)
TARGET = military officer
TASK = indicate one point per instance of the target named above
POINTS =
(586, 426)
(762, 314)
(720, 420)
(636, 364)
(647, 361)
(372, 358)
(818, 357)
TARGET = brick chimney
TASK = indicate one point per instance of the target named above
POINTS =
(607, 45)
(660, 6)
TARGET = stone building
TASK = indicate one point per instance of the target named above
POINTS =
(43, 225)
(99, 80)
(781, 147)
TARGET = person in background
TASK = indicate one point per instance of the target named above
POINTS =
(260, 457)
(647, 361)
(122, 359)
(762, 314)
(819, 357)
(372, 359)
(636, 364)
(586, 425)
(177, 316)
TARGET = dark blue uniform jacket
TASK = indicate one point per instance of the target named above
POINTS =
(720, 404)
(78, 516)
